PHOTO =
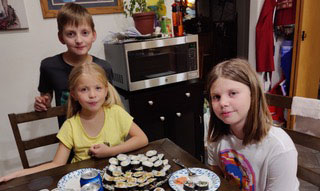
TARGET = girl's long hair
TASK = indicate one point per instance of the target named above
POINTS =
(258, 120)
(96, 71)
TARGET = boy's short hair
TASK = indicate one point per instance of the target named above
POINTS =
(73, 14)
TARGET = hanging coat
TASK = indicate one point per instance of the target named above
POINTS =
(264, 38)
(286, 12)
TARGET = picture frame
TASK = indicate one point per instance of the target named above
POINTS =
(50, 7)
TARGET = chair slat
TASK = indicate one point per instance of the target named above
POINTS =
(43, 141)
(305, 140)
(34, 115)
(279, 101)
(309, 175)
(16, 119)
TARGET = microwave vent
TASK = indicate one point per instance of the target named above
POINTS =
(118, 78)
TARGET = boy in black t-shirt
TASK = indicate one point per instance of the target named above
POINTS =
(76, 31)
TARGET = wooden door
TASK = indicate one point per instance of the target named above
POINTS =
(305, 73)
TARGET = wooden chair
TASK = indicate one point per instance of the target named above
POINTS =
(24, 145)
(299, 138)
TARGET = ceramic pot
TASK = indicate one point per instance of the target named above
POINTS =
(144, 22)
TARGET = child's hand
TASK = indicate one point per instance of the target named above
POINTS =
(99, 151)
(8, 177)
(42, 103)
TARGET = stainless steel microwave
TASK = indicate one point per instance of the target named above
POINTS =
(150, 63)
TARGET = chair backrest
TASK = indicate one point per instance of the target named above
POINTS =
(24, 145)
(299, 138)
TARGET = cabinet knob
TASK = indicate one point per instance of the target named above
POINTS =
(162, 118)
(178, 114)
(150, 102)
(188, 94)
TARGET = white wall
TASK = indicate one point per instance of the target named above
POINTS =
(20, 55)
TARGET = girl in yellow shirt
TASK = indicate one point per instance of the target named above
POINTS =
(97, 125)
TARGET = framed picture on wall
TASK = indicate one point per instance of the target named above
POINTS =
(13, 15)
(50, 7)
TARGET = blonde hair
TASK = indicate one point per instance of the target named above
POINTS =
(98, 72)
(258, 120)
(73, 14)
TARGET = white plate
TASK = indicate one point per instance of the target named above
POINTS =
(71, 181)
(203, 175)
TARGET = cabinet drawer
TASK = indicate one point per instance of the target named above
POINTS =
(168, 99)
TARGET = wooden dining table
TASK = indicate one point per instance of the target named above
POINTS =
(48, 179)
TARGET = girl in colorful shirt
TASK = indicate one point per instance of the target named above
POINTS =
(242, 143)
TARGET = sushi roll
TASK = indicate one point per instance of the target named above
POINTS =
(153, 159)
(107, 179)
(147, 166)
(128, 174)
(133, 157)
(138, 174)
(160, 175)
(119, 179)
(113, 161)
(151, 180)
(166, 168)
(131, 180)
(132, 186)
(202, 185)
(151, 153)
(165, 161)
(143, 158)
(125, 165)
(142, 179)
(189, 186)
(160, 156)
(116, 173)
(120, 186)
(122, 157)
(158, 165)
(135, 164)
(110, 169)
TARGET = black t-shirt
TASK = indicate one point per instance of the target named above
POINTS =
(54, 74)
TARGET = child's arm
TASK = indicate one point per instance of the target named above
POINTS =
(137, 140)
(60, 158)
(43, 102)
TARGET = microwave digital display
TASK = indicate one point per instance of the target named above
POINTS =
(145, 64)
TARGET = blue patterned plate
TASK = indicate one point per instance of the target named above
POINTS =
(202, 175)
(71, 181)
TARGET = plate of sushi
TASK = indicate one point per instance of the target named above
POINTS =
(204, 180)
(136, 172)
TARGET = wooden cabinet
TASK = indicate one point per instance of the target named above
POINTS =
(173, 111)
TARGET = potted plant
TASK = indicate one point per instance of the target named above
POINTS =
(142, 16)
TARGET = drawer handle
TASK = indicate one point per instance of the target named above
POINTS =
(150, 102)
(188, 94)
(178, 114)
(162, 118)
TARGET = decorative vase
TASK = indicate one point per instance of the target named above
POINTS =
(144, 22)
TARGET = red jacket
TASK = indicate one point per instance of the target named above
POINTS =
(264, 38)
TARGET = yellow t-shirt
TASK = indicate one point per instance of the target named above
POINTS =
(115, 129)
